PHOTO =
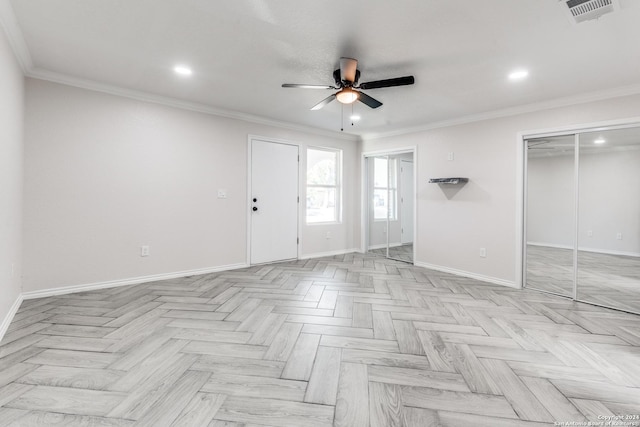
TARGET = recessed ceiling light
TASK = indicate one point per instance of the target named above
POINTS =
(599, 141)
(518, 75)
(182, 70)
(355, 117)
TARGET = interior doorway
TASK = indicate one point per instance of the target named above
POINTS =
(389, 206)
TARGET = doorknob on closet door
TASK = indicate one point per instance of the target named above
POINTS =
(255, 200)
(255, 208)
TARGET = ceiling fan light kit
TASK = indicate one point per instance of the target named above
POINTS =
(347, 96)
(349, 91)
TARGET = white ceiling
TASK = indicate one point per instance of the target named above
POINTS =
(460, 52)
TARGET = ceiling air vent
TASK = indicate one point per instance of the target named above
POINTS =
(584, 10)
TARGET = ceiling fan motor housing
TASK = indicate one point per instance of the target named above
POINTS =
(345, 83)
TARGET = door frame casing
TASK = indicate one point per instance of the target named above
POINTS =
(364, 192)
(402, 198)
(250, 139)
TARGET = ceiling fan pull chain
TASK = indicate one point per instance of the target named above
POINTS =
(351, 115)
(342, 118)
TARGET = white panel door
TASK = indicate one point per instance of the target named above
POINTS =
(406, 200)
(274, 202)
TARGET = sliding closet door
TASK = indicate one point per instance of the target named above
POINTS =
(550, 214)
(609, 215)
(380, 204)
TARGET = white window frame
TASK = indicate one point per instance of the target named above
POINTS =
(392, 192)
(337, 187)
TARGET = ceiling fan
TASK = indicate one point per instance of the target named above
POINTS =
(346, 82)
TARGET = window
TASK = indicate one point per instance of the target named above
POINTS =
(385, 189)
(323, 185)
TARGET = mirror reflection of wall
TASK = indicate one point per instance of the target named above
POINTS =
(551, 214)
(597, 257)
(390, 196)
(609, 212)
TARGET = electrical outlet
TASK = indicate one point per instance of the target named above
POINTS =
(144, 250)
(619, 236)
(222, 194)
(483, 252)
(328, 235)
(589, 233)
(450, 156)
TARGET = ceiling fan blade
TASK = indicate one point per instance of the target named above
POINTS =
(324, 102)
(368, 101)
(307, 86)
(348, 67)
(398, 81)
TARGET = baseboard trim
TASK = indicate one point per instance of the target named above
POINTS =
(462, 273)
(330, 253)
(9, 317)
(585, 249)
(129, 281)
(384, 245)
(550, 245)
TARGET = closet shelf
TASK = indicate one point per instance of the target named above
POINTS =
(448, 180)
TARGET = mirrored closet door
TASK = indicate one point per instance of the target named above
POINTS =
(550, 217)
(609, 213)
(582, 216)
(390, 190)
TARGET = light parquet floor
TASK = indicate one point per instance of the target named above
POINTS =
(354, 340)
(399, 253)
(608, 280)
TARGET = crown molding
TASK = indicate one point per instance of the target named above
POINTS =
(95, 86)
(18, 44)
(513, 111)
(14, 34)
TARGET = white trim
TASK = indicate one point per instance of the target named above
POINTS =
(330, 253)
(609, 252)
(384, 245)
(629, 122)
(521, 210)
(184, 105)
(15, 36)
(550, 245)
(480, 277)
(130, 281)
(586, 249)
(4, 326)
(513, 111)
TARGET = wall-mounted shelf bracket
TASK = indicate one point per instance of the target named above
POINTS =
(448, 180)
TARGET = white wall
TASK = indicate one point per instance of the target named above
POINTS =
(609, 201)
(11, 165)
(106, 174)
(550, 200)
(453, 224)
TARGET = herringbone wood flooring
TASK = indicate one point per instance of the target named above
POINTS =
(608, 280)
(399, 253)
(353, 340)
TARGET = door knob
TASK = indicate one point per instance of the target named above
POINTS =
(255, 200)
(255, 208)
